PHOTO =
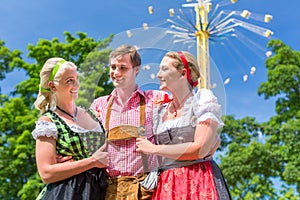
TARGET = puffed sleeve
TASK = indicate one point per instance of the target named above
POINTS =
(44, 128)
(206, 106)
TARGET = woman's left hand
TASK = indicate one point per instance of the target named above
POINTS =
(144, 145)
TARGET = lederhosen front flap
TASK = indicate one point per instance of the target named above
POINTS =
(126, 131)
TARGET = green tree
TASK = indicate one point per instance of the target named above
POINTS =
(253, 153)
(18, 175)
(256, 154)
(8, 60)
(284, 84)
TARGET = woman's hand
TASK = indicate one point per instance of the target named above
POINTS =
(101, 156)
(145, 146)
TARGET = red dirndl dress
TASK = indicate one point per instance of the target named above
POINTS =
(194, 182)
(188, 180)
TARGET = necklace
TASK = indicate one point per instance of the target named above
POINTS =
(184, 99)
(73, 117)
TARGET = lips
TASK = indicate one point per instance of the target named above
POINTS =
(117, 79)
(162, 81)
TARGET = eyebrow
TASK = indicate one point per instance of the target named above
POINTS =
(160, 66)
(121, 65)
(68, 77)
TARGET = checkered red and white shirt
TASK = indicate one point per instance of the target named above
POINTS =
(123, 158)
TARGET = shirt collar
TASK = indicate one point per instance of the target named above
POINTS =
(137, 91)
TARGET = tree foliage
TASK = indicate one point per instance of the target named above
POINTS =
(18, 175)
(261, 160)
(8, 60)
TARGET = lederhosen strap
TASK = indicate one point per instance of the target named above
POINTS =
(128, 131)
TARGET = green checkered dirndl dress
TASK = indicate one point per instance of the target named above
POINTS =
(88, 185)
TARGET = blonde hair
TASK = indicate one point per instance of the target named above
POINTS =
(46, 98)
(191, 61)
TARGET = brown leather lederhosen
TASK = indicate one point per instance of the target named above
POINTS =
(127, 187)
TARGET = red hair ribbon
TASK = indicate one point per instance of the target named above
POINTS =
(185, 64)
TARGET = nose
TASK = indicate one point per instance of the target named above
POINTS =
(77, 83)
(116, 72)
(158, 75)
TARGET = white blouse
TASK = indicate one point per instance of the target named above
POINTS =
(45, 128)
(198, 108)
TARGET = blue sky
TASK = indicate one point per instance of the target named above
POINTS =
(24, 22)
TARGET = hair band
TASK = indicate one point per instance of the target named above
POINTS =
(185, 64)
(44, 89)
(55, 68)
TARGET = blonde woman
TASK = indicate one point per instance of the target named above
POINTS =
(67, 130)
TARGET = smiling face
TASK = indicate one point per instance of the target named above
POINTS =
(68, 85)
(168, 75)
(121, 72)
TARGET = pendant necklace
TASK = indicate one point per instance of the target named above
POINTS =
(175, 109)
(73, 117)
